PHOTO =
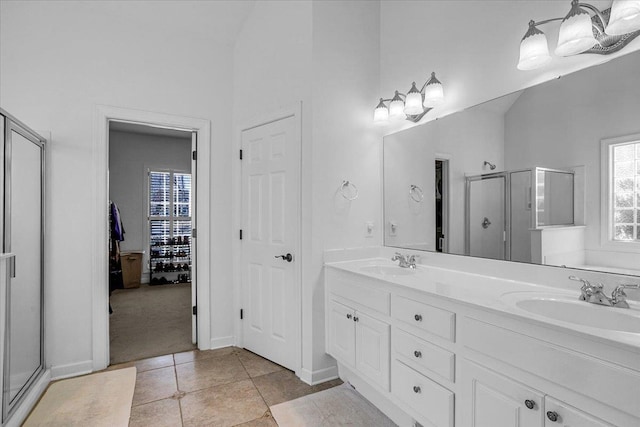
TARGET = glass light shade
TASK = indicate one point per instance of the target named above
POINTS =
(534, 50)
(576, 33)
(413, 103)
(625, 17)
(433, 92)
(381, 114)
(396, 107)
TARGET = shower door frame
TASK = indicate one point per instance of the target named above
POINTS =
(534, 196)
(507, 214)
(9, 406)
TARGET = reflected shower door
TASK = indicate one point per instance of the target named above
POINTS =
(486, 219)
(23, 236)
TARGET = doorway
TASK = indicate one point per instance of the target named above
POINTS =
(442, 205)
(270, 245)
(151, 241)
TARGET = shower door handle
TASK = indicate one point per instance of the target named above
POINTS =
(11, 263)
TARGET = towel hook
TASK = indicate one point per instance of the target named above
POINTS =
(416, 193)
(344, 189)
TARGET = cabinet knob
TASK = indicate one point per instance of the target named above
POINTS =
(418, 317)
(416, 389)
(417, 353)
(356, 319)
(349, 316)
(529, 403)
(553, 416)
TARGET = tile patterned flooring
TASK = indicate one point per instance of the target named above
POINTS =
(224, 387)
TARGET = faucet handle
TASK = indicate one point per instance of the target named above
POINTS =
(585, 282)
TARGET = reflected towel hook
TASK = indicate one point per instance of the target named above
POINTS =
(344, 189)
(416, 193)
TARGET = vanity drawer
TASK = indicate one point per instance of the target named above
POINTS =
(425, 317)
(422, 355)
(429, 399)
(361, 292)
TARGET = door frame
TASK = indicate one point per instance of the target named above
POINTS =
(294, 111)
(100, 219)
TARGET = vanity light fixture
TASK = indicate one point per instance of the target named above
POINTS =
(603, 33)
(412, 106)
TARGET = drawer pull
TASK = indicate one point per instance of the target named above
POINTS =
(349, 316)
(416, 389)
(355, 319)
(417, 353)
(418, 317)
(529, 403)
(553, 416)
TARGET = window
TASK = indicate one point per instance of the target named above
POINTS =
(624, 188)
(169, 208)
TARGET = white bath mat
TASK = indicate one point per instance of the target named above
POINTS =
(95, 400)
(338, 406)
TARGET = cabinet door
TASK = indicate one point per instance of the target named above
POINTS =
(342, 333)
(372, 349)
(492, 400)
(568, 416)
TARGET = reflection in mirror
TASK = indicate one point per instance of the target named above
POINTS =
(547, 175)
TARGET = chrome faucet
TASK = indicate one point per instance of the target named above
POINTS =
(405, 261)
(593, 293)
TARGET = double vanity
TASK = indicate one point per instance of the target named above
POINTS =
(442, 347)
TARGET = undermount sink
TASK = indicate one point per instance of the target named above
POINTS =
(567, 309)
(385, 270)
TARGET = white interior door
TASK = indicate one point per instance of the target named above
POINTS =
(487, 228)
(194, 255)
(271, 230)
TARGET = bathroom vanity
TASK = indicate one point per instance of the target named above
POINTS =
(449, 348)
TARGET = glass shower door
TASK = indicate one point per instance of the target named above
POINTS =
(485, 216)
(23, 236)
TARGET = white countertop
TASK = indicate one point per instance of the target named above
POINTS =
(496, 294)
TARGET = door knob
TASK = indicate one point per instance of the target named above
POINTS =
(287, 257)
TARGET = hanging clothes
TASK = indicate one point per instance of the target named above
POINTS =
(117, 229)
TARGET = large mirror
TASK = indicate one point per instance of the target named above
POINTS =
(547, 175)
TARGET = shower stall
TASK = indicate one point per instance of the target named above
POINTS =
(503, 208)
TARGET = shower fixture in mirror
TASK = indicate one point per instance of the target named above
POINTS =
(603, 33)
(525, 177)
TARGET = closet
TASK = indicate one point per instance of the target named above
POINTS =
(21, 274)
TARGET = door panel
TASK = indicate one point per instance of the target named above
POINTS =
(495, 401)
(271, 215)
(487, 225)
(23, 236)
(372, 349)
(342, 334)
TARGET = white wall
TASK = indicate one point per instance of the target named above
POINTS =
(130, 156)
(308, 51)
(473, 47)
(58, 60)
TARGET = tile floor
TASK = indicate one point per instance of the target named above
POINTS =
(225, 387)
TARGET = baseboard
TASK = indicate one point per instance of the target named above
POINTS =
(220, 343)
(71, 370)
(30, 400)
(377, 398)
(318, 376)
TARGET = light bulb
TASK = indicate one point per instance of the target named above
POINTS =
(433, 92)
(413, 103)
(576, 32)
(625, 17)
(396, 107)
(381, 114)
(534, 50)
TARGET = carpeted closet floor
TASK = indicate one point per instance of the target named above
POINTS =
(150, 321)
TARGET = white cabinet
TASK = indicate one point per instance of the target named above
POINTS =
(493, 400)
(360, 341)
(559, 414)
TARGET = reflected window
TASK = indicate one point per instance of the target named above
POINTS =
(624, 184)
